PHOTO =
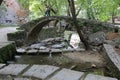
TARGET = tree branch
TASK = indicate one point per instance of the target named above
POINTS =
(78, 11)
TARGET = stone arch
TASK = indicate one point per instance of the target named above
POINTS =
(32, 34)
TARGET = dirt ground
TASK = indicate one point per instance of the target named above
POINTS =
(90, 57)
(94, 58)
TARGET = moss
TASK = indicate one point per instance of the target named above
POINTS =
(7, 53)
(19, 37)
(16, 35)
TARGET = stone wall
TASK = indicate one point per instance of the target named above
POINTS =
(7, 51)
(19, 37)
(49, 33)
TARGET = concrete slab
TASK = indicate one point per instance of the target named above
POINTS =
(40, 71)
(21, 79)
(1, 65)
(13, 69)
(98, 77)
(66, 74)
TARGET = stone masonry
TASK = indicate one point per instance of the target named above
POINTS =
(45, 72)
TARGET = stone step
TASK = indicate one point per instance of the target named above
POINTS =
(46, 72)
(13, 69)
(21, 79)
(34, 51)
(67, 74)
(98, 77)
(40, 71)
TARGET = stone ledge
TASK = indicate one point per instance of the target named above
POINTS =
(98, 77)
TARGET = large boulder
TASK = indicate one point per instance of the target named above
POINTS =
(97, 38)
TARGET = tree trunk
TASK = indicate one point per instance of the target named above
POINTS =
(113, 18)
(72, 8)
(1, 2)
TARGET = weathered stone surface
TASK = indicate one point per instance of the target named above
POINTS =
(66, 74)
(44, 51)
(21, 50)
(48, 40)
(1, 65)
(37, 46)
(115, 58)
(42, 47)
(59, 39)
(7, 51)
(97, 38)
(32, 51)
(97, 77)
(13, 69)
(58, 46)
(19, 37)
(40, 71)
(21, 79)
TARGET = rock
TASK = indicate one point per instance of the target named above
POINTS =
(21, 50)
(56, 50)
(7, 51)
(44, 51)
(34, 46)
(48, 40)
(1, 65)
(114, 42)
(58, 46)
(75, 40)
(59, 39)
(9, 77)
(97, 38)
(32, 51)
(42, 47)
(49, 43)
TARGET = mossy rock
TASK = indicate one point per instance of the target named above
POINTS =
(7, 51)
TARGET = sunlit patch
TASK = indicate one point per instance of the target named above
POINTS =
(75, 40)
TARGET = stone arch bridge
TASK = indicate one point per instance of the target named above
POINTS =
(33, 28)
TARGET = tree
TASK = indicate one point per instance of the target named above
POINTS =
(73, 12)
